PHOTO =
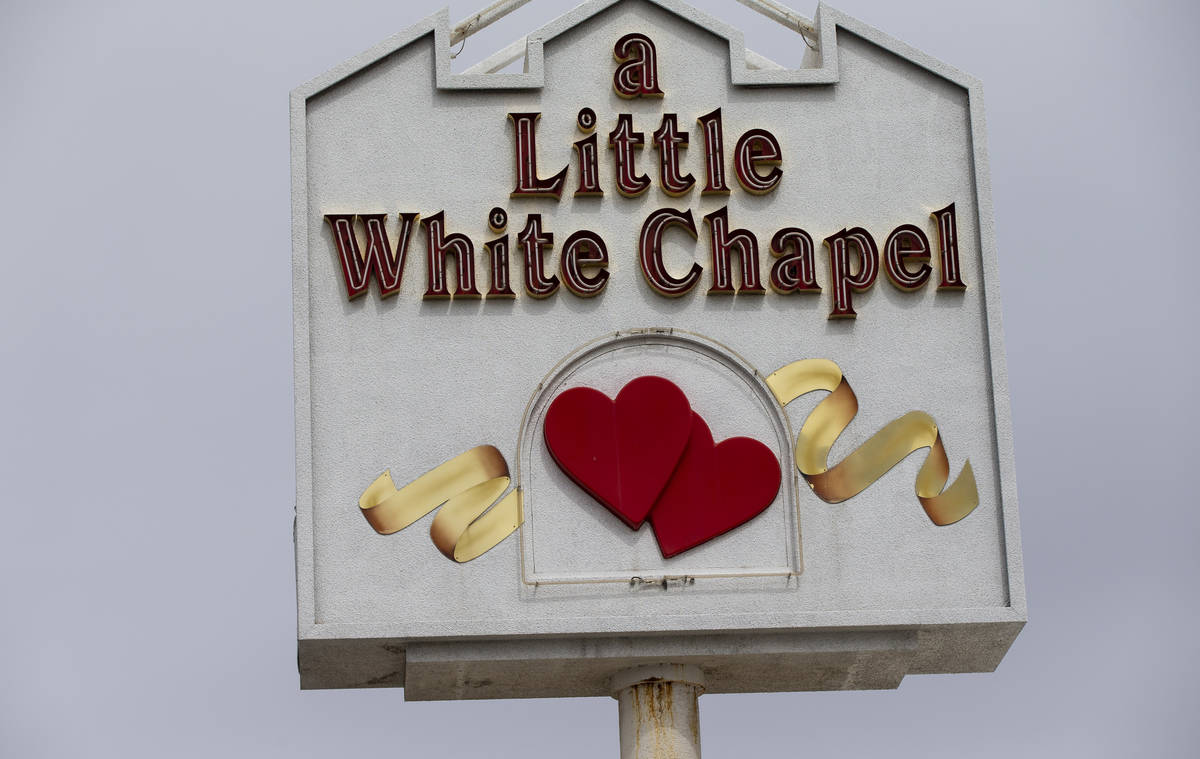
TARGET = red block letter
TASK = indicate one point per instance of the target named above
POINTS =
(535, 243)
(795, 271)
(582, 249)
(623, 140)
(948, 237)
(714, 153)
(758, 146)
(357, 267)
(906, 243)
(668, 139)
(839, 264)
(650, 252)
(439, 246)
(528, 182)
(724, 243)
(637, 69)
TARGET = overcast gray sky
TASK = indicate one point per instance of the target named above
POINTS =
(146, 564)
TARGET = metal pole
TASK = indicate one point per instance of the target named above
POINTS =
(485, 17)
(782, 14)
(659, 711)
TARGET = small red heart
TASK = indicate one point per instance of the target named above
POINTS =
(715, 488)
(622, 452)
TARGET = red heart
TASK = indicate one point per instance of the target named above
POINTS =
(622, 452)
(715, 488)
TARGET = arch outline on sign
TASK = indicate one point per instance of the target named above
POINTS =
(714, 356)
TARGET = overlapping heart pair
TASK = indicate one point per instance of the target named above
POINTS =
(647, 454)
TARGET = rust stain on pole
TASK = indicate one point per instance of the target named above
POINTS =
(659, 716)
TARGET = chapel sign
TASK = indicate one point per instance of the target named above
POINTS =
(597, 323)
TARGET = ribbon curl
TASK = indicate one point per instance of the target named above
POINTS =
(885, 449)
(474, 519)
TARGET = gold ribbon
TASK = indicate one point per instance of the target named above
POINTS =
(479, 511)
(474, 519)
(888, 447)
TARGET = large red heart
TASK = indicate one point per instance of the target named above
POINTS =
(715, 488)
(622, 452)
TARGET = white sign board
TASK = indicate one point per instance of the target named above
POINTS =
(623, 296)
